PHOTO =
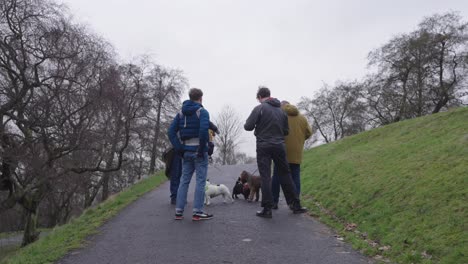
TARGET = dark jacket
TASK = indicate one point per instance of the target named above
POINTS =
(269, 121)
(192, 124)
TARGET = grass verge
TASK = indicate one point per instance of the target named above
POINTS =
(399, 191)
(72, 235)
(6, 251)
(20, 233)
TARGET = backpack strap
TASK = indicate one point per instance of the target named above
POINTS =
(181, 115)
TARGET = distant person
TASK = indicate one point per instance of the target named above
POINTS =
(188, 134)
(271, 126)
(299, 132)
(212, 133)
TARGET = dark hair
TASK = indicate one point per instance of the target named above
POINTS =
(263, 92)
(195, 94)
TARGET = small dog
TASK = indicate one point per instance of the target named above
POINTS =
(237, 189)
(240, 188)
(246, 192)
(254, 183)
(212, 190)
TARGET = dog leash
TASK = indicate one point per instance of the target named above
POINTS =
(254, 171)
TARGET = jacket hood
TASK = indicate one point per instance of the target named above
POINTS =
(190, 107)
(273, 102)
(291, 110)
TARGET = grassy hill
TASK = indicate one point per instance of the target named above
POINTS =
(403, 185)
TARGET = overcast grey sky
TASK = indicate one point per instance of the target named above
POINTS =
(229, 47)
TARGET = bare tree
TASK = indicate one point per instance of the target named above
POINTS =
(448, 37)
(395, 66)
(230, 128)
(74, 122)
(336, 111)
(34, 61)
(53, 104)
(421, 72)
(166, 87)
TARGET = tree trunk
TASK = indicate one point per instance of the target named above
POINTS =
(400, 115)
(105, 187)
(154, 148)
(91, 192)
(420, 93)
(140, 164)
(89, 198)
(30, 230)
(224, 151)
(110, 160)
(441, 98)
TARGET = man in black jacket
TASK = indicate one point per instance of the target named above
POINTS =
(271, 126)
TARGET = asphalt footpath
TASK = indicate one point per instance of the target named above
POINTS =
(146, 232)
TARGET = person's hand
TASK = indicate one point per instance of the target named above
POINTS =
(215, 129)
(180, 151)
(200, 155)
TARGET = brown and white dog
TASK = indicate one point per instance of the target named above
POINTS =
(254, 182)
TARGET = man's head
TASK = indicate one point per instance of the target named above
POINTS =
(263, 92)
(284, 102)
(195, 94)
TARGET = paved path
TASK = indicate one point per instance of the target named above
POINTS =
(145, 232)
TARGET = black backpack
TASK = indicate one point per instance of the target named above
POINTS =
(167, 157)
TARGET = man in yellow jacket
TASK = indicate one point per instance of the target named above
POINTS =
(299, 132)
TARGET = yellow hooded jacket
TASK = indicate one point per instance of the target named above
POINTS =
(299, 132)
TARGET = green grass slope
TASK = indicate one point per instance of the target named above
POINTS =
(404, 185)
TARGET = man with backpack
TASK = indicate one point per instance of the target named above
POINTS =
(188, 134)
(173, 163)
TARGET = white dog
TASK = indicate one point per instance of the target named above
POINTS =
(212, 190)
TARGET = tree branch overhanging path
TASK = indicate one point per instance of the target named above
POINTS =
(77, 125)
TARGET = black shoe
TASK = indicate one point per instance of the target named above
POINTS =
(275, 206)
(265, 213)
(297, 208)
(173, 201)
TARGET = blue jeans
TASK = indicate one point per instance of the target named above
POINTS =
(296, 177)
(191, 164)
(176, 173)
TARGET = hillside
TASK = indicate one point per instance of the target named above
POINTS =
(404, 185)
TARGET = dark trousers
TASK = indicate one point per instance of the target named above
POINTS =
(176, 172)
(277, 154)
(296, 177)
